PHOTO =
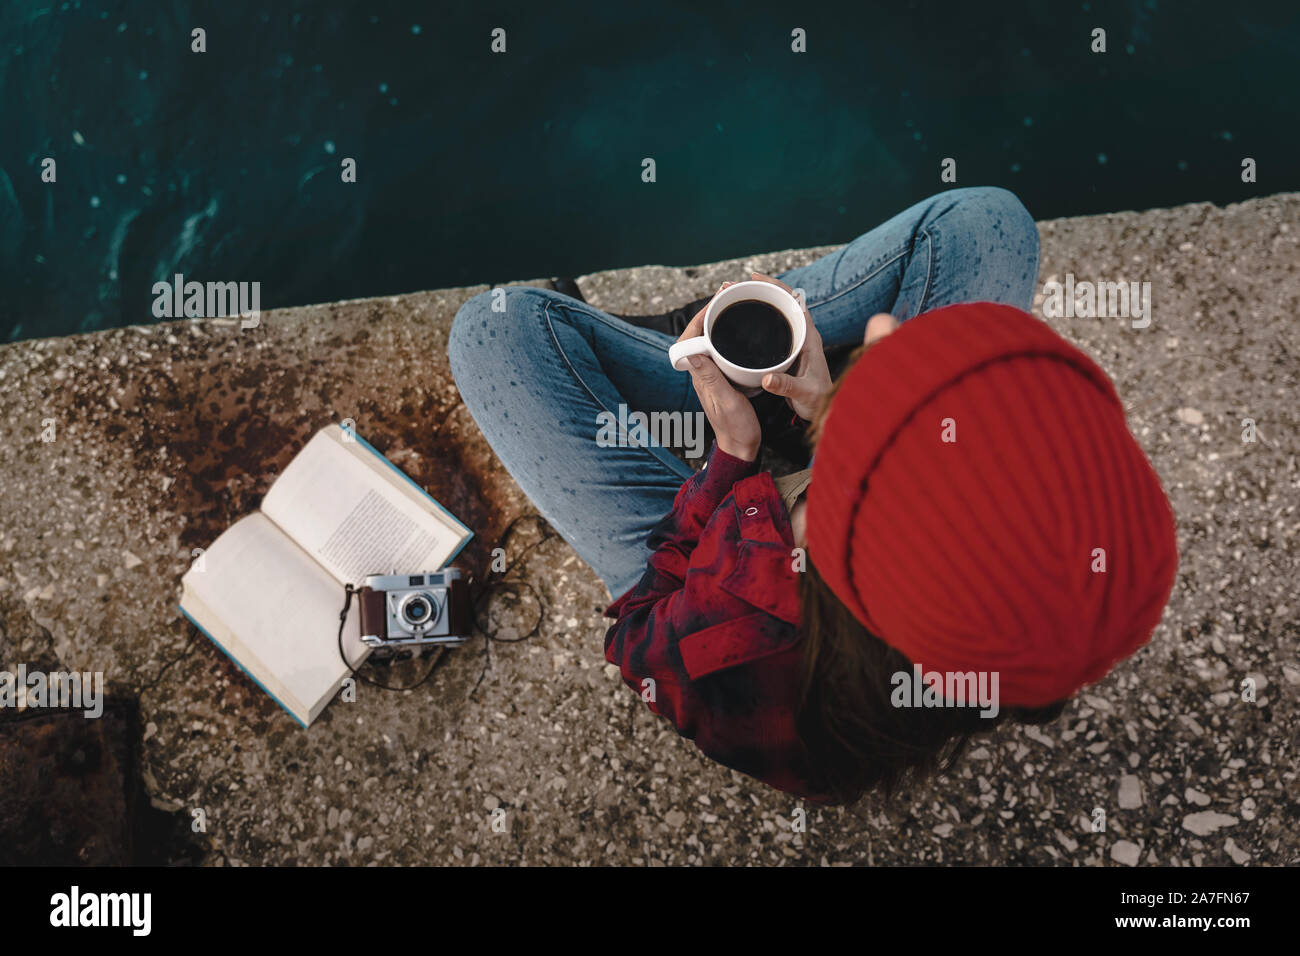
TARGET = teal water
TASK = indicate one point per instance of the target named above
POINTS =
(479, 167)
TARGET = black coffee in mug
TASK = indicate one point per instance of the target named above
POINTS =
(752, 334)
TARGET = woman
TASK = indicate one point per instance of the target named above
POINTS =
(976, 508)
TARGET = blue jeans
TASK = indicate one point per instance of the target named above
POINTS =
(537, 376)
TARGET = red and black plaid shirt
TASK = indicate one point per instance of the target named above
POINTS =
(710, 636)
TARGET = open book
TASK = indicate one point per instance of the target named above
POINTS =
(269, 590)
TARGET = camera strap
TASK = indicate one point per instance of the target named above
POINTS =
(348, 591)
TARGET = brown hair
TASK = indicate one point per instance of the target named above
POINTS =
(855, 738)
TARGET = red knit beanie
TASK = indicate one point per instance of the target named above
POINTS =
(979, 504)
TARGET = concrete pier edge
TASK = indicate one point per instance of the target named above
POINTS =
(165, 434)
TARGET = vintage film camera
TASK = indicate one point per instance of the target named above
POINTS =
(404, 615)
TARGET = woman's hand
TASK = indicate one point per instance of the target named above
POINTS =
(809, 379)
(735, 424)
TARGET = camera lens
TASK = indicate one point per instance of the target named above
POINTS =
(419, 610)
(416, 610)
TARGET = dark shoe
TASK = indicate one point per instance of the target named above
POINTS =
(670, 323)
(568, 287)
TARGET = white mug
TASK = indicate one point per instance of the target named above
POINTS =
(754, 289)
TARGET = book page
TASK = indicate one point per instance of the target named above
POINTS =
(276, 612)
(356, 520)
